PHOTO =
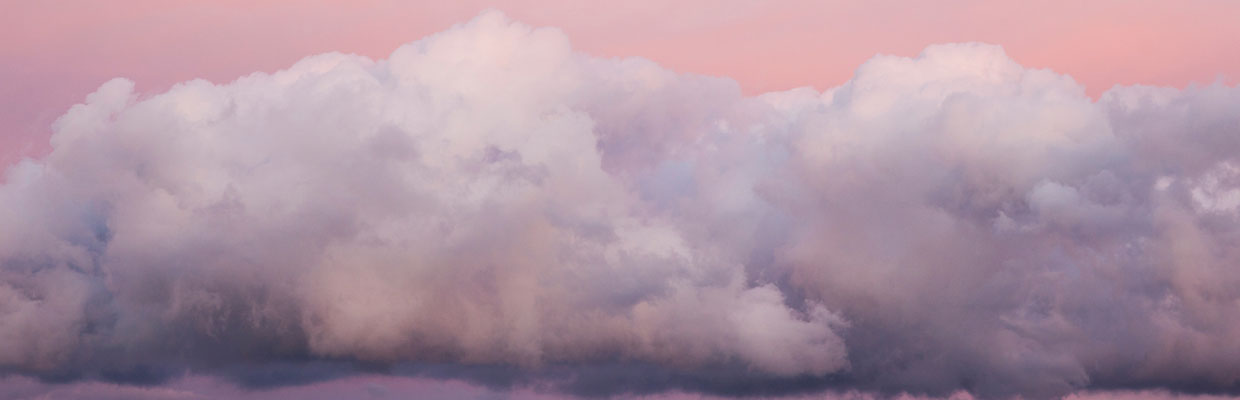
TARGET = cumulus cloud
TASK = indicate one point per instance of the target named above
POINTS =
(486, 197)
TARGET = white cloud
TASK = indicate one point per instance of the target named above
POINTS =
(487, 196)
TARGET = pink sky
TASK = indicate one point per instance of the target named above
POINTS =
(196, 387)
(54, 53)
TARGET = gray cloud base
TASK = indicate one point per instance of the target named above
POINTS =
(487, 198)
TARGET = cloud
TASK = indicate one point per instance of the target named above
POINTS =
(486, 199)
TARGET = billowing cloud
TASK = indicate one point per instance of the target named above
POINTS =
(487, 204)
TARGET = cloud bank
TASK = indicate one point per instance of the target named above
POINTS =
(487, 204)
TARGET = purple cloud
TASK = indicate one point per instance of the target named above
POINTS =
(486, 204)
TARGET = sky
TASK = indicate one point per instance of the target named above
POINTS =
(553, 200)
(53, 53)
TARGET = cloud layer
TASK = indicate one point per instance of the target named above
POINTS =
(488, 199)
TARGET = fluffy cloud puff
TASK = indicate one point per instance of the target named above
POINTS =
(486, 196)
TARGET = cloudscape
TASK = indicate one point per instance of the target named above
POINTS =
(488, 213)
